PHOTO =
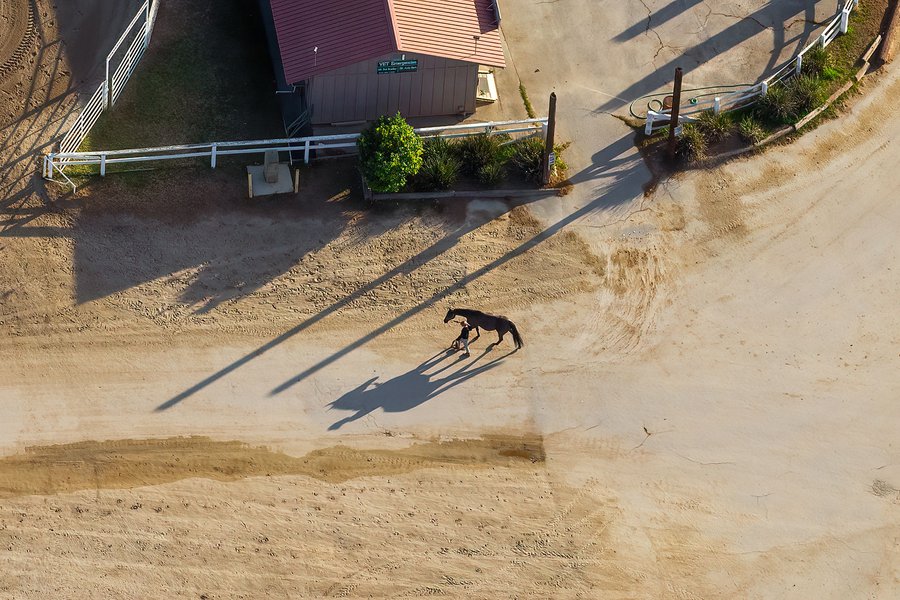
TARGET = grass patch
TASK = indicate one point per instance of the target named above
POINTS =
(479, 150)
(528, 156)
(714, 127)
(440, 166)
(750, 130)
(691, 147)
(529, 109)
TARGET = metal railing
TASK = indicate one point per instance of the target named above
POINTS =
(746, 96)
(114, 82)
(55, 162)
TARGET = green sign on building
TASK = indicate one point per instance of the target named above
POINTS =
(398, 66)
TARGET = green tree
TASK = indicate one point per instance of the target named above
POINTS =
(389, 151)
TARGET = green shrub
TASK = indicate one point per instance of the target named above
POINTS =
(808, 93)
(691, 145)
(492, 173)
(528, 157)
(440, 166)
(815, 61)
(750, 130)
(831, 73)
(792, 99)
(714, 127)
(389, 152)
(778, 105)
(478, 150)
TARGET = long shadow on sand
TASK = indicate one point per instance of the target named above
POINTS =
(622, 184)
(413, 388)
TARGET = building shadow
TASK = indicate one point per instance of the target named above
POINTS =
(217, 244)
(413, 388)
(90, 30)
(772, 15)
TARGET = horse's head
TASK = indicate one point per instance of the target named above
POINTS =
(450, 314)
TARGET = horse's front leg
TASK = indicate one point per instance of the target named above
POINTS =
(477, 334)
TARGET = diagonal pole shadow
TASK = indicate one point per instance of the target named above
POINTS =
(410, 265)
(473, 276)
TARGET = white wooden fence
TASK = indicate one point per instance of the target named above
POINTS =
(137, 37)
(746, 96)
(345, 143)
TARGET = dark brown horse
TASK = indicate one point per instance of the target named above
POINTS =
(480, 320)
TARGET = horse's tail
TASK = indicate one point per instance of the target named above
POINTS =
(515, 333)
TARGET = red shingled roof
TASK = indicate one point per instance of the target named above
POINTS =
(350, 31)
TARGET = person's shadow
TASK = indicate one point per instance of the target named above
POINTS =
(413, 388)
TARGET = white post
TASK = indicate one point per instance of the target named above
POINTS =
(823, 41)
(717, 105)
(102, 165)
(648, 129)
(146, 24)
(799, 66)
(212, 161)
(106, 86)
(306, 153)
(764, 88)
(845, 20)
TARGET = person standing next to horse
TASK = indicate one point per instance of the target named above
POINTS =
(463, 340)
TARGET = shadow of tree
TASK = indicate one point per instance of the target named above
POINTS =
(413, 388)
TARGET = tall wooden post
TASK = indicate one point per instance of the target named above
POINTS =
(548, 144)
(673, 121)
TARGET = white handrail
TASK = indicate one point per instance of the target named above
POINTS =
(58, 160)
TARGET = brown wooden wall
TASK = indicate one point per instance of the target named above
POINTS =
(356, 93)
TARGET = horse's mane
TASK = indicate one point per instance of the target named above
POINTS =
(470, 311)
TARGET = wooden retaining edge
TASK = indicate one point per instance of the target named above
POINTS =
(886, 54)
(868, 55)
(473, 195)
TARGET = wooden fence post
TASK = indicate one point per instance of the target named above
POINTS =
(548, 143)
(673, 121)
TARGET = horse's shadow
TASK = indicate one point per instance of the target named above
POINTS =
(413, 388)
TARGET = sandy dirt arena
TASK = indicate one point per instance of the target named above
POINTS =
(204, 398)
